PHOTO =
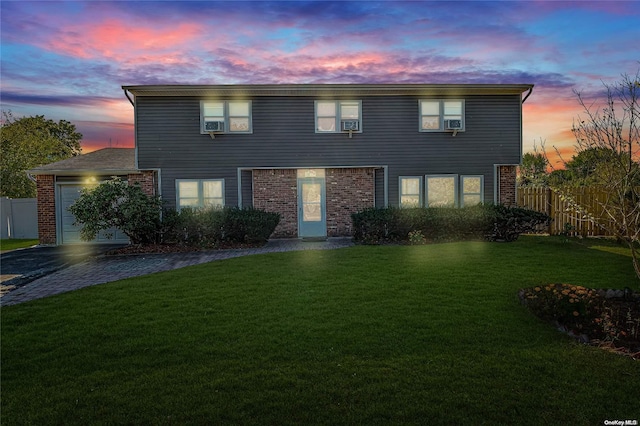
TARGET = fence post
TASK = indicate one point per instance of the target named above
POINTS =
(548, 199)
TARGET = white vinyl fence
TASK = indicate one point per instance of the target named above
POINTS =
(19, 218)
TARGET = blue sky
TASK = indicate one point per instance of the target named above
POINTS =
(68, 60)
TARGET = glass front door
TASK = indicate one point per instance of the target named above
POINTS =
(311, 203)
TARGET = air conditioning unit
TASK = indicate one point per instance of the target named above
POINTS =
(350, 125)
(454, 124)
(214, 126)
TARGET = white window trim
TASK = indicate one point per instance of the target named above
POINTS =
(462, 193)
(420, 190)
(441, 128)
(200, 191)
(226, 117)
(338, 118)
(455, 187)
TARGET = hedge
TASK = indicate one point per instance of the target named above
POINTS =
(209, 227)
(491, 222)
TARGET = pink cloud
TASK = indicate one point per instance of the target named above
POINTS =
(117, 40)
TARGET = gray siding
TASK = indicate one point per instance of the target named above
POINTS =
(168, 137)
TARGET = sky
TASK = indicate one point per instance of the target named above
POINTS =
(68, 60)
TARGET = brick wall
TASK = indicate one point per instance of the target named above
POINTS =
(348, 191)
(277, 191)
(45, 185)
(507, 185)
(46, 199)
(146, 179)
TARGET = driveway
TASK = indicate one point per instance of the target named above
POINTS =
(19, 267)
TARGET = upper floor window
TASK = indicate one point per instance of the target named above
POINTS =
(225, 117)
(338, 116)
(440, 115)
(197, 193)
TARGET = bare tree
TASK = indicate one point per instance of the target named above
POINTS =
(612, 133)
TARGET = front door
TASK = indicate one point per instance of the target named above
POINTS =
(312, 221)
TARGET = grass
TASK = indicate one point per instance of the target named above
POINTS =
(365, 335)
(13, 243)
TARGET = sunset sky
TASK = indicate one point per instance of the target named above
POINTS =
(68, 60)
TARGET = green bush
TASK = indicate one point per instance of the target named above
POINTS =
(248, 225)
(212, 226)
(377, 226)
(116, 204)
(511, 222)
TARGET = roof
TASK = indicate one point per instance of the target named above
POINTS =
(106, 161)
(328, 89)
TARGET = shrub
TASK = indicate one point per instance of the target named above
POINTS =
(211, 226)
(248, 225)
(116, 204)
(511, 222)
(591, 313)
(376, 226)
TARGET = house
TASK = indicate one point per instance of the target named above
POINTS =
(313, 153)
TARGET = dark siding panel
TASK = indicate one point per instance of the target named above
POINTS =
(247, 188)
(379, 188)
(283, 136)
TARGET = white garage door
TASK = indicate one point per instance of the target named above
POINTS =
(68, 232)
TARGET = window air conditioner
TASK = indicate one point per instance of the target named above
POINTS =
(350, 125)
(454, 124)
(214, 126)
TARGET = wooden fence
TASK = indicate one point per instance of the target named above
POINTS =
(565, 218)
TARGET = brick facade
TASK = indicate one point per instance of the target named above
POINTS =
(46, 201)
(277, 191)
(146, 179)
(507, 185)
(348, 191)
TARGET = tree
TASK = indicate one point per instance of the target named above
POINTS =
(608, 149)
(533, 171)
(30, 142)
(116, 204)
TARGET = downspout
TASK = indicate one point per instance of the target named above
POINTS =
(135, 132)
(528, 94)
(131, 100)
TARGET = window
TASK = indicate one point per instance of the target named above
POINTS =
(472, 190)
(338, 116)
(225, 117)
(442, 190)
(439, 115)
(199, 193)
(410, 191)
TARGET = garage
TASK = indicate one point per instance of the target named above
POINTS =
(59, 184)
(70, 233)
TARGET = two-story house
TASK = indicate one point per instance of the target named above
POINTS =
(313, 153)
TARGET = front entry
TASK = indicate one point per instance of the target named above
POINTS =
(312, 216)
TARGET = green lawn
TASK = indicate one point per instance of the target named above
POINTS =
(13, 243)
(365, 335)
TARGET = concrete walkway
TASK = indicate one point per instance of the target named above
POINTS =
(104, 269)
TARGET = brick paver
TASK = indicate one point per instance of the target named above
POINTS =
(103, 269)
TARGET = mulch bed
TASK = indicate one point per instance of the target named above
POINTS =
(177, 248)
(606, 318)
